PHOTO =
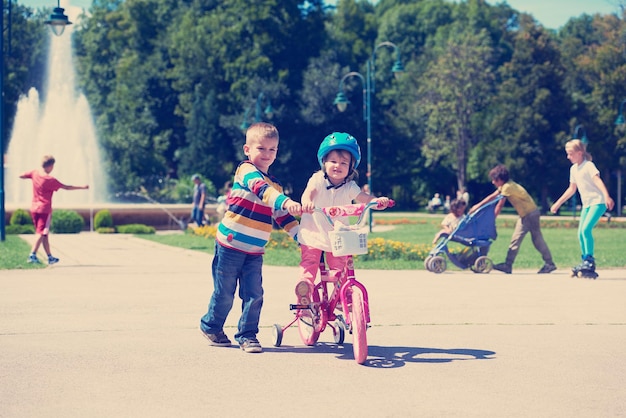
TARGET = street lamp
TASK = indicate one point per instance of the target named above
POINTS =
(368, 82)
(620, 115)
(58, 20)
(57, 23)
(585, 141)
(576, 135)
(269, 112)
(619, 121)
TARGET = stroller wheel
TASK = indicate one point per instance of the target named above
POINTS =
(427, 261)
(437, 264)
(482, 264)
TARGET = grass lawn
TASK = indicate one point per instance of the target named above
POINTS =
(413, 228)
(13, 254)
(561, 237)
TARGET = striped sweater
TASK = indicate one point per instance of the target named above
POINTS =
(255, 199)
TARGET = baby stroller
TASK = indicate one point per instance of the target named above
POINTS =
(476, 232)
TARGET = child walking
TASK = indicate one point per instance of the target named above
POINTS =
(528, 221)
(198, 200)
(585, 177)
(256, 199)
(339, 155)
(44, 186)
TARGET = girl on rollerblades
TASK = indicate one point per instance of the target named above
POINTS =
(585, 177)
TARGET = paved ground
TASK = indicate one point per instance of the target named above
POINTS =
(111, 331)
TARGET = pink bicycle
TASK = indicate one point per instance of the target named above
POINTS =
(340, 303)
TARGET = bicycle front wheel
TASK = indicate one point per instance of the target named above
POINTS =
(359, 326)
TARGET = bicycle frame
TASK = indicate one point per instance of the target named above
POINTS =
(341, 291)
(335, 293)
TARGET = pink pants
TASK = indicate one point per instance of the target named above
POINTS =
(309, 264)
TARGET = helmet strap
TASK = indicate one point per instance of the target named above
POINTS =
(331, 185)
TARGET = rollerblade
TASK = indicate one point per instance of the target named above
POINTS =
(586, 269)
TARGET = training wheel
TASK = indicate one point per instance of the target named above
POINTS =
(277, 333)
(339, 333)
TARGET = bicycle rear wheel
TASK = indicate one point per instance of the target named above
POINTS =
(309, 320)
(359, 326)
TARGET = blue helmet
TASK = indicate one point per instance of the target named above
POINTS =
(339, 141)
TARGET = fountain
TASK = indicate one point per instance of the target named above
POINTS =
(58, 122)
(60, 125)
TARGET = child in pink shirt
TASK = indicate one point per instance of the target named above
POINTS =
(44, 185)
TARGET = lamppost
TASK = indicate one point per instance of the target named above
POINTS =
(576, 135)
(620, 115)
(369, 87)
(269, 112)
(585, 141)
(58, 20)
(619, 121)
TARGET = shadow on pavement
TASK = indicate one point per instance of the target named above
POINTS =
(390, 357)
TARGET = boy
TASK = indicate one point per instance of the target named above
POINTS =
(528, 220)
(199, 199)
(255, 200)
(44, 185)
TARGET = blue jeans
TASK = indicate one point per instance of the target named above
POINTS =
(229, 268)
(197, 214)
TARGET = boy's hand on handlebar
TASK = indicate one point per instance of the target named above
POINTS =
(293, 207)
(308, 207)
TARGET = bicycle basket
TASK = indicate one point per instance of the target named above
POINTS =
(348, 242)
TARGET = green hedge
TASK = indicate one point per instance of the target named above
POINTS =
(66, 222)
(103, 219)
(19, 229)
(21, 217)
(135, 229)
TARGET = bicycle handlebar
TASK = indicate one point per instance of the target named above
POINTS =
(352, 210)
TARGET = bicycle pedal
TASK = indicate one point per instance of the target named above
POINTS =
(293, 307)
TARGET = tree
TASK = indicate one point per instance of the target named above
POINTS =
(529, 115)
(461, 80)
(204, 152)
(595, 53)
(24, 53)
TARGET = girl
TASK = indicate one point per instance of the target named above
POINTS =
(585, 177)
(338, 155)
